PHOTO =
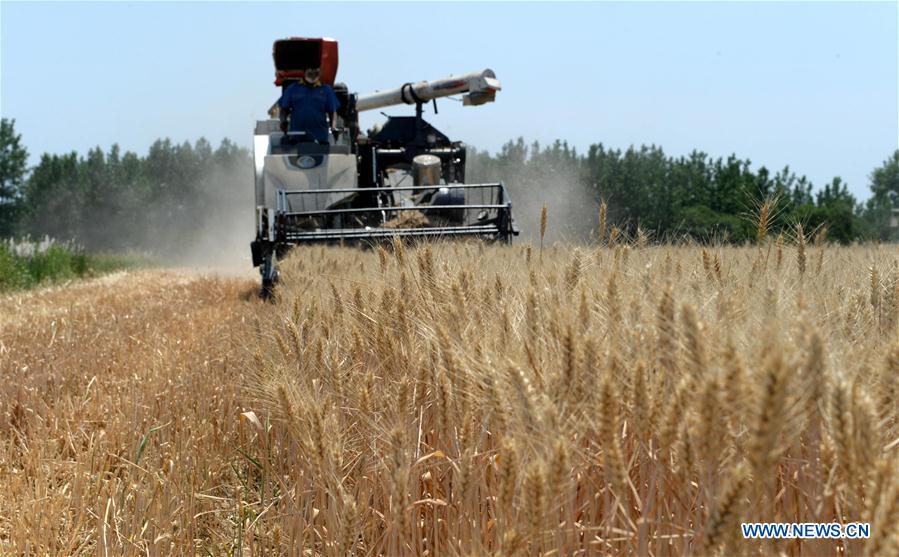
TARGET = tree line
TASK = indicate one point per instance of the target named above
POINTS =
(694, 196)
(109, 200)
(113, 200)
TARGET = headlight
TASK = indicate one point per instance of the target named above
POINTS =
(306, 162)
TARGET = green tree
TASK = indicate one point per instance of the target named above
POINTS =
(836, 209)
(13, 160)
(53, 200)
(884, 198)
(113, 200)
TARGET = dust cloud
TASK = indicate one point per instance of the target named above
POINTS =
(219, 239)
(206, 223)
(175, 207)
(572, 208)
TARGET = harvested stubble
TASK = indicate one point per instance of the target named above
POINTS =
(118, 415)
(463, 399)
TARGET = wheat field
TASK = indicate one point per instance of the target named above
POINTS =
(459, 399)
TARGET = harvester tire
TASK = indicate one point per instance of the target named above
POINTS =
(269, 273)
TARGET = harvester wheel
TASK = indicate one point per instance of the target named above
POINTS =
(269, 271)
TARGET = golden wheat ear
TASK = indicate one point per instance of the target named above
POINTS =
(460, 399)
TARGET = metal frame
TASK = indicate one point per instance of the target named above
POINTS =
(500, 227)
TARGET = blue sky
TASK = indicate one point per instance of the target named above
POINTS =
(812, 85)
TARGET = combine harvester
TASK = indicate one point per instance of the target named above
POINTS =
(404, 179)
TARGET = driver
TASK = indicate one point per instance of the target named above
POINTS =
(311, 106)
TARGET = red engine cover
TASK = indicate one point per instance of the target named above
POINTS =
(292, 56)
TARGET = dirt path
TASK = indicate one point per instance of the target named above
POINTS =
(118, 401)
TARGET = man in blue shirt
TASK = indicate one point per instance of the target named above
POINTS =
(311, 106)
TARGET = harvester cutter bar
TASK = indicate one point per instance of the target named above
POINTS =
(493, 185)
(392, 208)
(386, 233)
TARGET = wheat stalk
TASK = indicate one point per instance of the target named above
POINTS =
(455, 398)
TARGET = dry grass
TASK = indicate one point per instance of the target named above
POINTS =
(463, 399)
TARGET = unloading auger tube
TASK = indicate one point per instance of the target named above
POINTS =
(403, 179)
(481, 87)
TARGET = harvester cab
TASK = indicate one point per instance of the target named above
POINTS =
(403, 179)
